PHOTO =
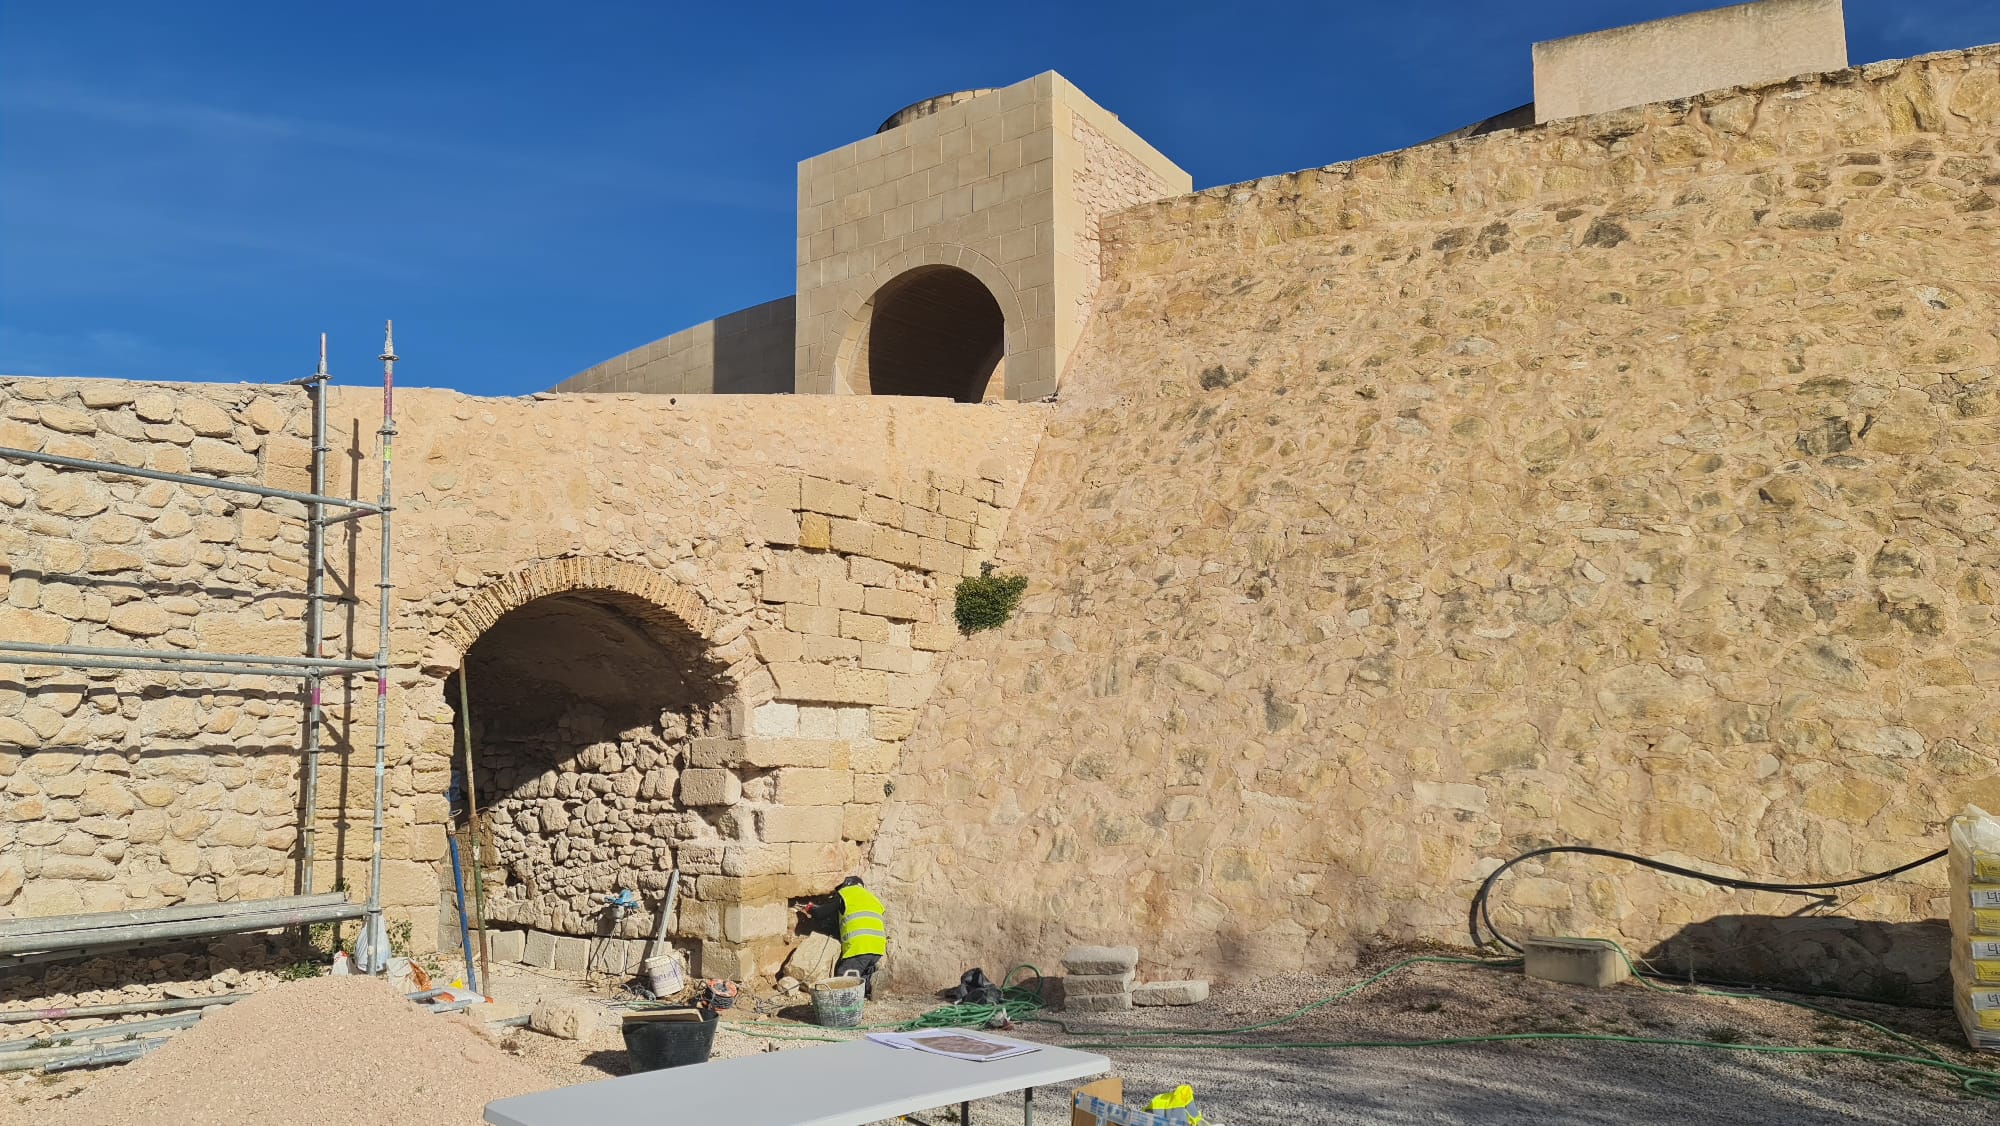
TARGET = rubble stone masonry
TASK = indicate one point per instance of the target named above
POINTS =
(805, 548)
(1627, 481)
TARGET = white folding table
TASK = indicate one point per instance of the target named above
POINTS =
(848, 1084)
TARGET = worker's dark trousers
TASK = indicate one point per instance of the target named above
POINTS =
(863, 964)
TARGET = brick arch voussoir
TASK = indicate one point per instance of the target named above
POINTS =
(656, 596)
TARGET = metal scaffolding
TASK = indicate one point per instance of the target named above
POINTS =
(41, 939)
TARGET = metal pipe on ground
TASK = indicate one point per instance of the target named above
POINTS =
(84, 1012)
(63, 1059)
(107, 1032)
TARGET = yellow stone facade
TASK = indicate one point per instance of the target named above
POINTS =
(1623, 480)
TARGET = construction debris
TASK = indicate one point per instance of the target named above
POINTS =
(345, 1050)
(814, 958)
(570, 1018)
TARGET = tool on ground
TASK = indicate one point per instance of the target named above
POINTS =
(661, 967)
(718, 994)
(458, 889)
(472, 823)
(620, 905)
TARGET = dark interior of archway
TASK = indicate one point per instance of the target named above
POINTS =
(582, 707)
(935, 331)
(589, 651)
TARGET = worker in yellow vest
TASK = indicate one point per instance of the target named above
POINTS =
(863, 929)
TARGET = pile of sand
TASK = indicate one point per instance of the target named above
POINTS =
(328, 1051)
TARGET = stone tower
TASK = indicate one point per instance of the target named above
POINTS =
(953, 253)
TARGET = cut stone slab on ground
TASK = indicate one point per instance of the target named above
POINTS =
(1100, 960)
(1154, 993)
(1096, 985)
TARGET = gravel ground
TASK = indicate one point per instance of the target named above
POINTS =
(1540, 1083)
(1543, 1083)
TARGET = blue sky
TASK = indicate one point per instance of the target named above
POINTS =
(196, 191)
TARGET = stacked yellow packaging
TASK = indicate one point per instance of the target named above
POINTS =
(1975, 925)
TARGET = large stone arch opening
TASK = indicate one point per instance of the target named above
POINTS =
(585, 702)
(934, 330)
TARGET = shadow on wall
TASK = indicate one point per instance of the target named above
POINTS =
(753, 350)
(584, 705)
(1890, 961)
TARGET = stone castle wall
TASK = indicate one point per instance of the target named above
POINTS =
(1626, 481)
(801, 552)
(1110, 179)
(748, 352)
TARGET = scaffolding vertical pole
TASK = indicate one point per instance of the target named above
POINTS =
(377, 931)
(315, 617)
(472, 814)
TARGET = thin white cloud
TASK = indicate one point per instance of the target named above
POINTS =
(239, 129)
(107, 353)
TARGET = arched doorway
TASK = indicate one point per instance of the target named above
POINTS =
(584, 703)
(935, 330)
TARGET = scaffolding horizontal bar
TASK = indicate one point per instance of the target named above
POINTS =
(185, 479)
(187, 655)
(151, 666)
(85, 939)
(104, 1032)
(58, 924)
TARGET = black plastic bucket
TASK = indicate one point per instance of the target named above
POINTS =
(653, 1042)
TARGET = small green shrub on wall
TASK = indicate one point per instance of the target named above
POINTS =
(986, 602)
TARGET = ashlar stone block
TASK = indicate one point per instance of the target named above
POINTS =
(1101, 960)
(1096, 985)
(1190, 992)
(1106, 1003)
(710, 786)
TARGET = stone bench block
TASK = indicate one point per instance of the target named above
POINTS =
(1104, 1003)
(1096, 985)
(1101, 959)
(1170, 993)
(1574, 961)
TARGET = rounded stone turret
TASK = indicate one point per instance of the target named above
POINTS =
(930, 106)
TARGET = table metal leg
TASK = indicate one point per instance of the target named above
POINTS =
(1027, 1106)
(965, 1114)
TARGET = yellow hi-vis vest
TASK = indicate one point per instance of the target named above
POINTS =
(1179, 1104)
(862, 929)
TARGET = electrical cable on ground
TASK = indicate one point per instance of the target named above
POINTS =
(1479, 914)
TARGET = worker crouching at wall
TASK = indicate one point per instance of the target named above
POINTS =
(857, 916)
